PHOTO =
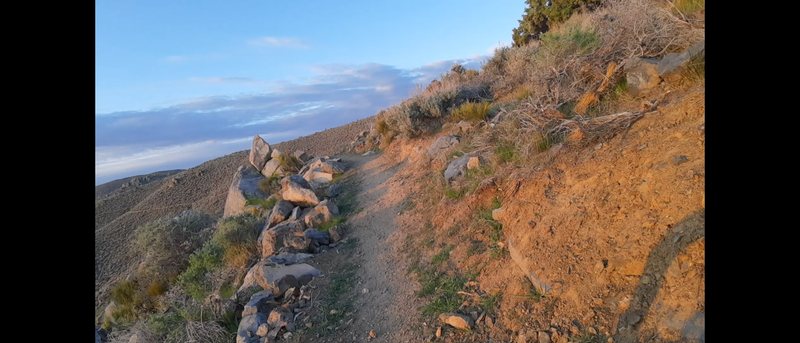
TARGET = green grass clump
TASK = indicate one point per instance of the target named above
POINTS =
(471, 111)
(443, 290)
(205, 260)
(267, 203)
(689, 7)
(335, 221)
(236, 236)
(490, 301)
(442, 256)
(506, 152)
(576, 41)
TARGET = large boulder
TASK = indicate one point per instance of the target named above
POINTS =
(243, 187)
(673, 66)
(273, 166)
(298, 191)
(333, 166)
(457, 167)
(642, 75)
(270, 275)
(334, 190)
(261, 302)
(249, 326)
(288, 259)
(280, 212)
(260, 152)
(321, 213)
(442, 144)
(286, 234)
(317, 176)
(318, 237)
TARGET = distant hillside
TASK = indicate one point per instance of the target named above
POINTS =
(204, 187)
(138, 180)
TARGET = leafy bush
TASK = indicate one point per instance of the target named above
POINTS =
(168, 242)
(206, 259)
(237, 237)
(335, 221)
(170, 326)
(471, 111)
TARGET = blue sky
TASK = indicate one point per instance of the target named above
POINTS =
(178, 83)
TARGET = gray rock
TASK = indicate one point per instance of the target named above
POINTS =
(301, 155)
(268, 275)
(317, 176)
(329, 166)
(298, 191)
(334, 190)
(680, 159)
(458, 321)
(243, 187)
(249, 285)
(285, 234)
(271, 167)
(280, 212)
(642, 75)
(251, 324)
(670, 68)
(277, 154)
(295, 215)
(318, 237)
(457, 167)
(283, 284)
(260, 152)
(261, 302)
(544, 337)
(443, 143)
(337, 233)
(288, 259)
(321, 213)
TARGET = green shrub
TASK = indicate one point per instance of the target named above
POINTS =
(506, 152)
(335, 221)
(289, 163)
(538, 18)
(237, 235)
(171, 326)
(201, 262)
(267, 203)
(576, 41)
(471, 111)
(158, 241)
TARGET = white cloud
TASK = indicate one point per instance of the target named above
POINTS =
(279, 42)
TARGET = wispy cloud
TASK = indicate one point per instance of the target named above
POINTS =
(222, 80)
(285, 42)
(189, 133)
(187, 58)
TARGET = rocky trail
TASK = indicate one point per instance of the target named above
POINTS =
(383, 300)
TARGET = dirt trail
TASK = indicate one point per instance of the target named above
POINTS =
(389, 306)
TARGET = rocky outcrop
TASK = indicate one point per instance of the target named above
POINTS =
(260, 152)
(317, 176)
(268, 275)
(328, 166)
(301, 155)
(288, 259)
(243, 187)
(271, 167)
(298, 191)
(442, 144)
(317, 237)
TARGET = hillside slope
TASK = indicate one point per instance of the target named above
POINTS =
(202, 188)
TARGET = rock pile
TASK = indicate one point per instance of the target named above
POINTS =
(275, 290)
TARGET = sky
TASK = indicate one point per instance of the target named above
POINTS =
(178, 83)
